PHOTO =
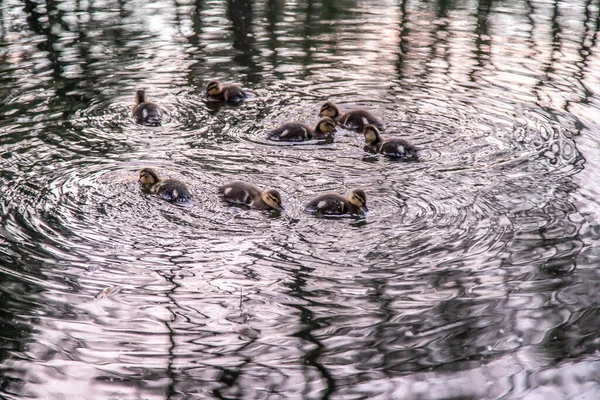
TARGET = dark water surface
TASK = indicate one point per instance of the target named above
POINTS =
(474, 276)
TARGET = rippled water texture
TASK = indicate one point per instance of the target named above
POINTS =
(474, 275)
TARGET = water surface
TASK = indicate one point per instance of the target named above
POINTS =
(473, 276)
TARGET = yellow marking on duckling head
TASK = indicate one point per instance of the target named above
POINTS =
(227, 191)
(213, 88)
(358, 197)
(371, 133)
(321, 204)
(148, 176)
(329, 109)
(272, 198)
(326, 125)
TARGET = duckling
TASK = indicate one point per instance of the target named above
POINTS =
(245, 193)
(394, 147)
(334, 204)
(168, 189)
(144, 111)
(219, 93)
(297, 132)
(355, 119)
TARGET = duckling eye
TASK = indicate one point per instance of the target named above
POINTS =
(327, 126)
(327, 111)
(359, 199)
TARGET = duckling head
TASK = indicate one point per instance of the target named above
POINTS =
(358, 198)
(140, 96)
(329, 109)
(272, 198)
(213, 88)
(148, 176)
(371, 133)
(326, 125)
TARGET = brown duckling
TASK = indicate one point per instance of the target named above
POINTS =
(334, 204)
(394, 147)
(144, 111)
(168, 189)
(219, 93)
(297, 132)
(245, 193)
(355, 119)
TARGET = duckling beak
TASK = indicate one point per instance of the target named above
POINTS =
(364, 208)
(281, 207)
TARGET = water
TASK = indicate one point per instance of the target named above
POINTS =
(473, 276)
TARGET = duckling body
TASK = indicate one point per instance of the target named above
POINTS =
(298, 132)
(393, 148)
(171, 190)
(250, 195)
(334, 204)
(355, 119)
(144, 111)
(219, 93)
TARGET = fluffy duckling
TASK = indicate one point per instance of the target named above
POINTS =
(297, 132)
(355, 119)
(219, 93)
(169, 189)
(245, 193)
(144, 111)
(394, 147)
(334, 204)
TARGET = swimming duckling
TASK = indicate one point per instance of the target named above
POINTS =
(245, 193)
(355, 119)
(219, 93)
(297, 132)
(144, 111)
(169, 189)
(334, 204)
(394, 147)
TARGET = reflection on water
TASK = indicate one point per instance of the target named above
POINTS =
(473, 275)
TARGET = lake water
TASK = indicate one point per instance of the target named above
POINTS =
(474, 275)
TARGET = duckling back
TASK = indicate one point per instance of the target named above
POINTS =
(147, 113)
(358, 119)
(218, 93)
(172, 190)
(399, 148)
(290, 132)
(144, 111)
(234, 93)
(328, 204)
(240, 192)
